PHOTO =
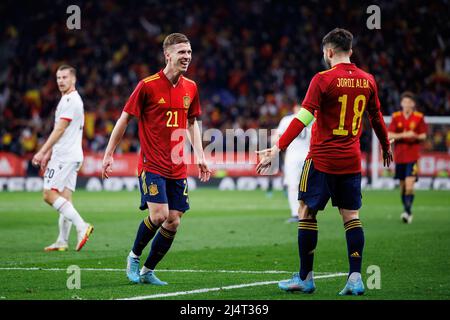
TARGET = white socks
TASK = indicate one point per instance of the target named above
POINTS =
(64, 229)
(133, 255)
(355, 276)
(145, 270)
(66, 209)
(293, 200)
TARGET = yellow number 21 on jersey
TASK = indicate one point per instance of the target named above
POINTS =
(358, 112)
(173, 115)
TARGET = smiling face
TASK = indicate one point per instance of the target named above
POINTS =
(179, 56)
(65, 80)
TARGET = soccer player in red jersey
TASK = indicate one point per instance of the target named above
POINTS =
(408, 129)
(337, 98)
(165, 104)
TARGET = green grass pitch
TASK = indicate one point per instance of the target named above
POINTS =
(229, 231)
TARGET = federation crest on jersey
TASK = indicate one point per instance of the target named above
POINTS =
(186, 102)
(153, 189)
(412, 125)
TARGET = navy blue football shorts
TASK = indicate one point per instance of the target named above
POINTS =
(404, 170)
(157, 189)
(317, 187)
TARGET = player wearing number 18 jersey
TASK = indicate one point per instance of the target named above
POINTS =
(337, 98)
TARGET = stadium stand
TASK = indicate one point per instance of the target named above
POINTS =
(250, 65)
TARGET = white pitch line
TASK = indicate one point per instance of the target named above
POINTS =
(159, 270)
(237, 286)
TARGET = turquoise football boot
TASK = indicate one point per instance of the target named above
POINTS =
(354, 285)
(296, 284)
(150, 277)
(133, 269)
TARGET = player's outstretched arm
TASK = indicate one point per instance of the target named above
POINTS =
(57, 132)
(302, 119)
(194, 136)
(116, 136)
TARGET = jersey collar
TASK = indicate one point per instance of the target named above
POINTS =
(345, 64)
(163, 75)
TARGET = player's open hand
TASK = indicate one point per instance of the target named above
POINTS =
(267, 156)
(387, 155)
(107, 166)
(387, 158)
(204, 173)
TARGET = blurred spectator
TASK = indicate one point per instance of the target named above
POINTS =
(251, 59)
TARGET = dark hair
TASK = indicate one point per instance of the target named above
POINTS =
(174, 38)
(341, 39)
(71, 69)
(408, 94)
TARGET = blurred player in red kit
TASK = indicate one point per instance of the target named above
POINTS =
(408, 129)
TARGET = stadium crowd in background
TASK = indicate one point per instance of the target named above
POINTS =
(252, 66)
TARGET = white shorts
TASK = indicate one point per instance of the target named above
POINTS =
(292, 171)
(60, 175)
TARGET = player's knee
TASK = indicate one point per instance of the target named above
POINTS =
(158, 218)
(409, 191)
(159, 215)
(172, 223)
(305, 212)
(49, 196)
(348, 215)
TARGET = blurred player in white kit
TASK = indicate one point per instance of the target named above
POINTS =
(293, 161)
(61, 157)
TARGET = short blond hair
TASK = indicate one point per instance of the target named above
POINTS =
(174, 38)
(71, 69)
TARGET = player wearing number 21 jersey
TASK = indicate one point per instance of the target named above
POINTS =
(162, 108)
(337, 98)
(166, 105)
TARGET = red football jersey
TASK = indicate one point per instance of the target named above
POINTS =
(338, 97)
(162, 109)
(407, 150)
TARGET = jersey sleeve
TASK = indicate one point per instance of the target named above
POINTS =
(422, 127)
(376, 118)
(194, 108)
(68, 109)
(136, 100)
(313, 96)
